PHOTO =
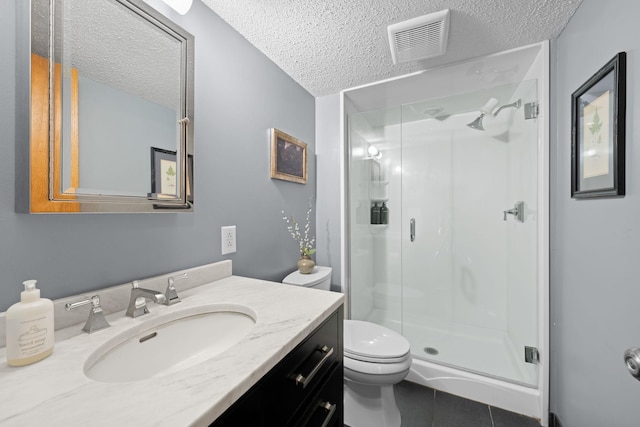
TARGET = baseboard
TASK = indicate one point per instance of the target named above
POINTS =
(554, 421)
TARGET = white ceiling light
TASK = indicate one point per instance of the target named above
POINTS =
(180, 6)
(374, 153)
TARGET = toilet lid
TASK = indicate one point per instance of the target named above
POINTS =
(371, 342)
(318, 274)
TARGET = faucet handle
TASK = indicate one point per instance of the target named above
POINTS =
(96, 320)
(171, 294)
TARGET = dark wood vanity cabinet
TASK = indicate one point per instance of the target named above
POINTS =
(304, 389)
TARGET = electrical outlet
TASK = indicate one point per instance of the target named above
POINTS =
(228, 243)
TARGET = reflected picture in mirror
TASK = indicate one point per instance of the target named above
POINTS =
(163, 174)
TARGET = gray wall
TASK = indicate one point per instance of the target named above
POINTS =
(328, 213)
(595, 244)
(240, 94)
(114, 137)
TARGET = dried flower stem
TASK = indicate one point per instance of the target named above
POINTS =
(304, 241)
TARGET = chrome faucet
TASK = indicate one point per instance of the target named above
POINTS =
(171, 294)
(138, 301)
(96, 320)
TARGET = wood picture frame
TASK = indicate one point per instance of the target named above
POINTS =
(598, 110)
(288, 157)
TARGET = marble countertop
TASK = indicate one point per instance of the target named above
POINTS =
(56, 392)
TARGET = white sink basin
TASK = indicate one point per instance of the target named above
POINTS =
(167, 343)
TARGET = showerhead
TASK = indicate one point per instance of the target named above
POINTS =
(488, 107)
(477, 123)
(487, 110)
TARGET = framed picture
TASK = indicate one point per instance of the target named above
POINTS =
(164, 178)
(598, 110)
(288, 157)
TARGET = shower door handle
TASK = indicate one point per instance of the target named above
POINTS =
(412, 229)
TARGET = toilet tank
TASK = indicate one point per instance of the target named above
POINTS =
(319, 278)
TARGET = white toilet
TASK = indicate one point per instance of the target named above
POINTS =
(375, 358)
(319, 278)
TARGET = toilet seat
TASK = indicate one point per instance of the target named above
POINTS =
(369, 342)
(375, 368)
(370, 359)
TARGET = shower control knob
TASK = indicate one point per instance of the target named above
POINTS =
(517, 211)
(632, 360)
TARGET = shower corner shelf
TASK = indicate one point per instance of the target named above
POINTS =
(379, 191)
(378, 227)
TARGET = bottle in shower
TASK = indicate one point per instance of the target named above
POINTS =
(384, 214)
(375, 214)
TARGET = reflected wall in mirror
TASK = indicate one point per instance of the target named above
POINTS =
(110, 80)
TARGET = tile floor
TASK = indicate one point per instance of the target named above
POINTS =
(425, 407)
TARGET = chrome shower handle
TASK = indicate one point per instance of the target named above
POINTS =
(513, 212)
(412, 229)
(517, 211)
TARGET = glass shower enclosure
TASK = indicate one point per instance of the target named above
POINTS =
(443, 210)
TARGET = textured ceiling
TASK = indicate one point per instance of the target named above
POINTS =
(109, 44)
(331, 45)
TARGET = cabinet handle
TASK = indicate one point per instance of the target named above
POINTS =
(301, 379)
(331, 407)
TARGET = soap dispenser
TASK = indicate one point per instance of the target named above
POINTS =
(30, 328)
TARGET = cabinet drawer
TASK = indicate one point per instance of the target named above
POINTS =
(326, 408)
(305, 369)
(304, 389)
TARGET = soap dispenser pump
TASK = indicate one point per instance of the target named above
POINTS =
(30, 327)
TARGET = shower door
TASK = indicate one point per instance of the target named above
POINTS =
(468, 269)
(452, 268)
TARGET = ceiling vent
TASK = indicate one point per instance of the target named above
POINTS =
(419, 38)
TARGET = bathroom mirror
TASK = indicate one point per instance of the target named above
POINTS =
(111, 108)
